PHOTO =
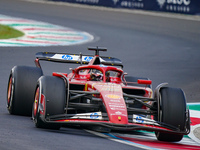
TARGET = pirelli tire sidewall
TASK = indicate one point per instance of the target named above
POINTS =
(172, 111)
(22, 82)
(51, 101)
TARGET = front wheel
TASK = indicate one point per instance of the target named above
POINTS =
(171, 111)
(50, 99)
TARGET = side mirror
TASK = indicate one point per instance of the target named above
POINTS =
(60, 75)
(147, 82)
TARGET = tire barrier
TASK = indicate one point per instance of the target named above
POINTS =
(175, 6)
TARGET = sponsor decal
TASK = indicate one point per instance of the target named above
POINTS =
(83, 77)
(115, 101)
(139, 119)
(161, 3)
(144, 120)
(118, 113)
(94, 115)
(113, 96)
(88, 1)
(67, 57)
(179, 2)
(111, 88)
(88, 59)
(115, 1)
(121, 109)
(116, 106)
(132, 4)
(175, 5)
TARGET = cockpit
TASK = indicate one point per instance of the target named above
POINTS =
(99, 73)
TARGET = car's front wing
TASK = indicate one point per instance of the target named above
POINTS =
(151, 126)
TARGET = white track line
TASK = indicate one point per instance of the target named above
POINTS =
(192, 140)
(113, 138)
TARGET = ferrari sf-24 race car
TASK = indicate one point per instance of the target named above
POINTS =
(97, 94)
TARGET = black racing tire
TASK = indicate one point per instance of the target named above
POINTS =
(50, 99)
(171, 111)
(21, 87)
(135, 79)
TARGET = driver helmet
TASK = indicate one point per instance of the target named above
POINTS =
(107, 76)
(96, 75)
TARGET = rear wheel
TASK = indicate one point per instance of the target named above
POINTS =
(172, 111)
(50, 99)
(21, 87)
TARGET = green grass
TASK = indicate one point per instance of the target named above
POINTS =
(7, 32)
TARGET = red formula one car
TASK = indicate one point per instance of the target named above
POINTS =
(97, 94)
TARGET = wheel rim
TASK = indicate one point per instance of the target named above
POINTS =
(42, 106)
(9, 91)
(36, 102)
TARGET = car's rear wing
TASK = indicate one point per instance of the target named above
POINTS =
(75, 58)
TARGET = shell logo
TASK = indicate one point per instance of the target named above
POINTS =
(113, 96)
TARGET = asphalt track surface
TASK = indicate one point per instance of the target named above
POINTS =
(161, 48)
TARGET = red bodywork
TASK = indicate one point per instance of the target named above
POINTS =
(111, 92)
